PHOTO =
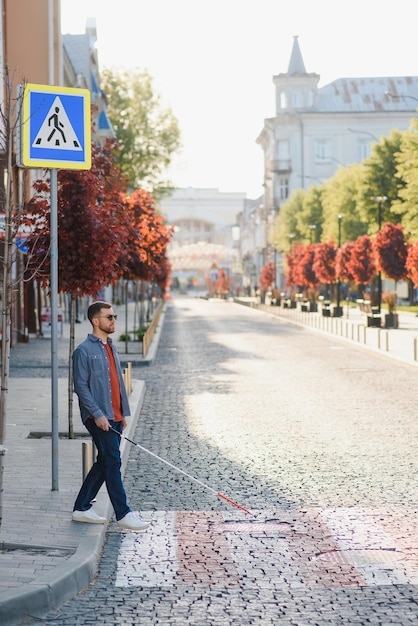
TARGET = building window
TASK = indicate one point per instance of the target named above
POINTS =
(297, 99)
(283, 188)
(322, 151)
(364, 149)
(283, 100)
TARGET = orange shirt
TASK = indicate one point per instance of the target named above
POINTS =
(114, 385)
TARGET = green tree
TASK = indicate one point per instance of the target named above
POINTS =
(380, 177)
(311, 215)
(148, 134)
(407, 170)
(286, 222)
(339, 197)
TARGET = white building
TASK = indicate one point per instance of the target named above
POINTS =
(204, 222)
(317, 129)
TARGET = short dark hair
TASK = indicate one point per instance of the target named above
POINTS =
(95, 308)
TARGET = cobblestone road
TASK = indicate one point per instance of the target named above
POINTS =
(317, 438)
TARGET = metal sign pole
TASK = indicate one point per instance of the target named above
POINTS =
(54, 326)
(55, 133)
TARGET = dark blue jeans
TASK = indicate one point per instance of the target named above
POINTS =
(106, 469)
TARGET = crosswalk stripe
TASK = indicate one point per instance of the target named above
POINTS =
(329, 547)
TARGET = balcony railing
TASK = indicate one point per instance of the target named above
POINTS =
(280, 165)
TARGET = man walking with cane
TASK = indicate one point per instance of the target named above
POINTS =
(104, 407)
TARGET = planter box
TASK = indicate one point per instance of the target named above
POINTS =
(313, 307)
(337, 311)
(374, 321)
(391, 320)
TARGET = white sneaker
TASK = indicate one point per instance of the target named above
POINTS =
(132, 521)
(88, 516)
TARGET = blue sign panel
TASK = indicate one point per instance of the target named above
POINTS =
(56, 127)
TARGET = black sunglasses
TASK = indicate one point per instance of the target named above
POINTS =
(110, 317)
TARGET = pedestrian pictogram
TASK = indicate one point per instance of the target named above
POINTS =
(57, 132)
(55, 128)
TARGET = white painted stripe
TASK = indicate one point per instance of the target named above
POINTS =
(367, 547)
(149, 559)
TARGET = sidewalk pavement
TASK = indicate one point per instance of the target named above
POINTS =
(395, 343)
(46, 558)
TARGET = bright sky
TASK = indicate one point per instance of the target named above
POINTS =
(213, 63)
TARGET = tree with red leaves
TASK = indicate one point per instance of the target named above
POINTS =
(267, 276)
(342, 262)
(92, 231)
(412, 262)
(144, 256)
(92, 226)
(291, 264)
(361, 264)
(223, 282)
(391, 251)
(324, 262)
(305, 275)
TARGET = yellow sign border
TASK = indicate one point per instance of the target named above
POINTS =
(27, 161)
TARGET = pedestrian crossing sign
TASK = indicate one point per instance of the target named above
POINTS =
(55, 127)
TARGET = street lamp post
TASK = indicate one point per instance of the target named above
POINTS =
(275, 263)
(338, 311)
(312, 227)
(379, 200)
(364, 132)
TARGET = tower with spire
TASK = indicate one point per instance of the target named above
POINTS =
(296, 88)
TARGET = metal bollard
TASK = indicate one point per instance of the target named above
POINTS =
(359, 328)
(88, 452)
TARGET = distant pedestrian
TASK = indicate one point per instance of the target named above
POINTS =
(104, 404)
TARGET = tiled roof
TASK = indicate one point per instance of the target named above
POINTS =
(78, 50)
(369, 94)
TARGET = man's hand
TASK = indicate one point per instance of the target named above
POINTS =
(124, 424)
(102, 423)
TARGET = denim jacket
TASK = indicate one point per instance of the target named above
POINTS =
(92, 379)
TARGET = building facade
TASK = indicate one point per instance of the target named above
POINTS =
(81, 70)
(316, 130)
(204, 222)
